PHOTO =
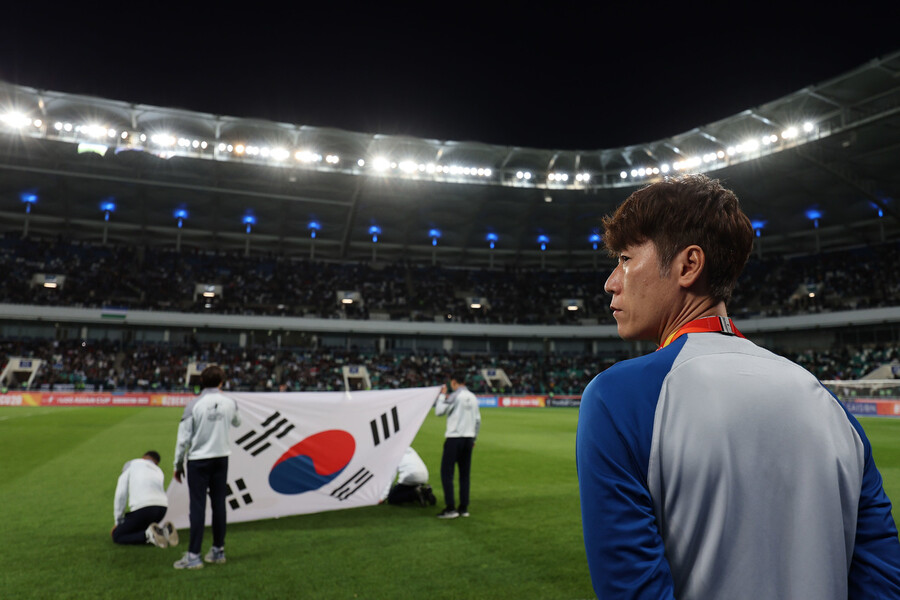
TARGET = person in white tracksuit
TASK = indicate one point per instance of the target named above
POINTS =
(463, 424)
(203, 438)
(140, 488)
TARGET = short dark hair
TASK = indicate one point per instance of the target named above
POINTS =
(211, 377)
(154, 455)
(678, 212)
(458, 377)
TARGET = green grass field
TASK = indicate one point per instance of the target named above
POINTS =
(59, 468)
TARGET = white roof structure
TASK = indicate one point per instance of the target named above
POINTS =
(831, 150)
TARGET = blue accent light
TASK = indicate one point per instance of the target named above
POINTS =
(28, 198)
(594, 239)
(313, 227)
(434, 234)
(492, 238)
(249, 220)
(543, 240)
(813, 214)
(880, 213)
(374, 230)
(108, 206)
(180, 214)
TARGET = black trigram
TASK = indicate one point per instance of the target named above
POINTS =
(233, 498)
(349, 487)
(385, 426)
(257, 443)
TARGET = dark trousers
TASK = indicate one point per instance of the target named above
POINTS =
(457, 451)
(133, 529)
(401, 493)
(204, 476)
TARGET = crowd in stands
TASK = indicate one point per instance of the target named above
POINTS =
(163, 279)
(113, 366)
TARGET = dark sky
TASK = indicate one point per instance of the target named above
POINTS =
(564, 75)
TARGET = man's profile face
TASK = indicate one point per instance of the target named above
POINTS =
(643, 303)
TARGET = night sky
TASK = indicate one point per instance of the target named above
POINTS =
(564, 76)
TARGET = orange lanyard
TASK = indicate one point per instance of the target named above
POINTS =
(723, 325)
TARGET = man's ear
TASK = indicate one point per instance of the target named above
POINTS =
(690, 265)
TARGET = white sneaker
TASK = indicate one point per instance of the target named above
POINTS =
(156, 536)
(188, 562)
(447, 513)
(170, 532)
(215, 556)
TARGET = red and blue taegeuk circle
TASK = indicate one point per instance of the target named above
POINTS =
(312, 462)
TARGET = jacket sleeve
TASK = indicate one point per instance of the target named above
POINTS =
(185, 432)
(875, 568)
(625, 552)
(121, 498)
(236, 418)
(444, 403)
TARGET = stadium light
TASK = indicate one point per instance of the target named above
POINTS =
(180, 215)
(374, 231)
(757, 231)
(108, 207)
(314, 227)
(543, 240)
(249, 220)
(814, 214)
(28, 198)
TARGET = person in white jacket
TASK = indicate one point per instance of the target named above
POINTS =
(140, 488)
(203, 438)
(463, 423)
(412, 482)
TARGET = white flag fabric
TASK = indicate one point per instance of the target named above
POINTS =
(305, 452)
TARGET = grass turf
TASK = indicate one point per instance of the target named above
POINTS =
(58, 473)
(59, 468)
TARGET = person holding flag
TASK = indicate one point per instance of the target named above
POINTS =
(203, 437)
(713, 468)
(463, 424)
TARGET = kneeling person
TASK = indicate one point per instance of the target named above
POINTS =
(140, 487)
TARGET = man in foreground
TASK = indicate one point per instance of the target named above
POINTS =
(463, 423)
(140, 488)
(203, 436)
(713, 468)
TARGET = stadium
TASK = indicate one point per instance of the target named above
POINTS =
(142, 242)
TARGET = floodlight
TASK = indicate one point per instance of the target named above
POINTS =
(361, 163)
(475, 305)
(381, 164)
(623, 175)
(808, 127)
(15, 119)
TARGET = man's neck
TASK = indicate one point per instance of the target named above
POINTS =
(702, 307)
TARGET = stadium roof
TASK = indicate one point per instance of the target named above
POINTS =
(831, 150)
